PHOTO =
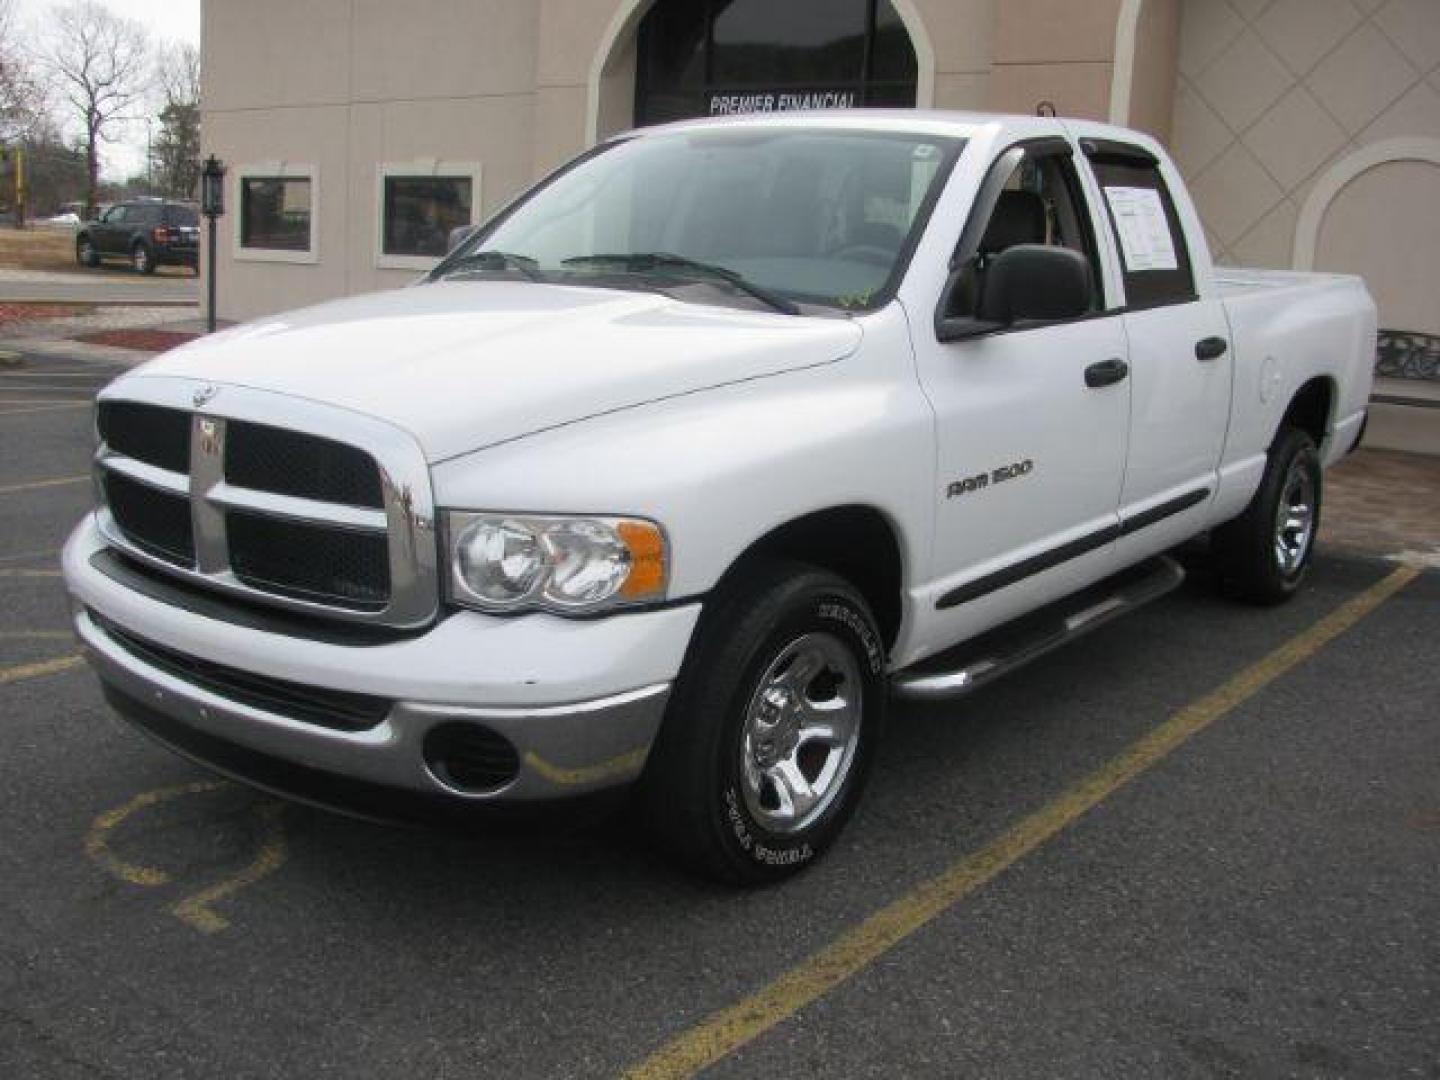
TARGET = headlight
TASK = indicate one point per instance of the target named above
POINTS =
(522, 562)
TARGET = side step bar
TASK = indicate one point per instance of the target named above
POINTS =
(972, 664)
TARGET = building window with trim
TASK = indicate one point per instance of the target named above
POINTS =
(277, 214)
(420, 206)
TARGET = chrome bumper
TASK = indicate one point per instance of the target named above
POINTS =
(563, 750)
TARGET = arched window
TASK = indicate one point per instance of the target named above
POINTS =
(713, 57)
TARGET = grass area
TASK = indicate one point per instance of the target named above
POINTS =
(37, 249)
(54, 250)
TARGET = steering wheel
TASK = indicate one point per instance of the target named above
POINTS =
(866, 253)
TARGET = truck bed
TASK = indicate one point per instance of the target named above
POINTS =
(1287, 327)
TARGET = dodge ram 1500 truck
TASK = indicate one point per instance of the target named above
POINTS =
(679, 468)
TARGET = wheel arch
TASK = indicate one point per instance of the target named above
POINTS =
(1311, 409)
(856, 542)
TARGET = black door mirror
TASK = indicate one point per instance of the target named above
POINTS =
(1035, 282)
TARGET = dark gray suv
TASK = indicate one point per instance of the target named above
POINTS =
(146, 233)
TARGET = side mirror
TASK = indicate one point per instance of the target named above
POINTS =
(458, 236)
(1035, 282)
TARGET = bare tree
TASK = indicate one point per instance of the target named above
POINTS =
(22, 97)
(175, 153)
(177, 73)
(101, 61)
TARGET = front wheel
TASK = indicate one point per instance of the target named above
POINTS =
(142, 259)
(85, 253)
(1265, 553)
(772, 727)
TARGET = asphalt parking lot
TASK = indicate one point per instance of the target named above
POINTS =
(1204, 841)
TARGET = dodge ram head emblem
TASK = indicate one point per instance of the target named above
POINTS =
(204, 394)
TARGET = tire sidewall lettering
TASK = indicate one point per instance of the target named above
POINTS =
(755, 843)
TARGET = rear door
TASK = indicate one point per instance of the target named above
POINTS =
(1031, 457)
(1181, 364)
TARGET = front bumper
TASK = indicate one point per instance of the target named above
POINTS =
(579, 701)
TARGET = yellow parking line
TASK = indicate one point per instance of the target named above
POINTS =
(731, 1028)
(53, 407)
(97, 841)
(21, 672)
(198, 911)
(36, 485)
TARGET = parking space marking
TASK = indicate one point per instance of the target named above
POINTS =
(198, 909)
(36, 485)
(97, 841)
(21, 556)
(733, 1027)
(42, 408)
(21, 672)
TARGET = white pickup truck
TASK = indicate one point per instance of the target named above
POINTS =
(691, 458)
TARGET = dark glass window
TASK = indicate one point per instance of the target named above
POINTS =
(420, 211)
(143, 214)
(275, 213)
(1171, 282)
(715, 57)
(185, 216)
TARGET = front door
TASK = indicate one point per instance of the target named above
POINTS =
(1030, 456)
(109, 234)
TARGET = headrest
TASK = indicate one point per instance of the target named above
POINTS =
(1019, 218)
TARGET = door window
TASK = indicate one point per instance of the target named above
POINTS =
(1041, 203)
(1154, 257)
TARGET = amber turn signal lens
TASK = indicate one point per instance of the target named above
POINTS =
(648, 571)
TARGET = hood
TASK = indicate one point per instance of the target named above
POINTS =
(464, 365)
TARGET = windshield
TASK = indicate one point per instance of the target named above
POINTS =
(810, 215)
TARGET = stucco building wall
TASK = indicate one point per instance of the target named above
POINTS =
(1260, 100)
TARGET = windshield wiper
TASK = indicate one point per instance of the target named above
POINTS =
(652, 261)
(495, 260)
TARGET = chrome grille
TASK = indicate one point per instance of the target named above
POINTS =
(291, 515)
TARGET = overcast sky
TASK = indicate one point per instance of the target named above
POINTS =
(166, 20)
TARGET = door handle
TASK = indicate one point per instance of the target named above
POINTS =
(1210, 348)
(1106, 372)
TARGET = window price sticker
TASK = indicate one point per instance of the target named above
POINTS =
(1145, 239)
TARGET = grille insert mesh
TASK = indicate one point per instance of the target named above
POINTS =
(148, 433)
(310, 562)
(266, 458)
(157, 522)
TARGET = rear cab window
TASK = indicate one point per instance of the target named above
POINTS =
(1154, 257)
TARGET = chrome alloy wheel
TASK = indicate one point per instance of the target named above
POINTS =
(801, 729)
(1295, 519)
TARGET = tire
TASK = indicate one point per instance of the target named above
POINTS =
(142, 259)
(85, 253)
(1265, 553)
(742, 786)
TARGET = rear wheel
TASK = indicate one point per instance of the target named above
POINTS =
(772, 727)
(85, 253)
(142, 259)
(1265, 553)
